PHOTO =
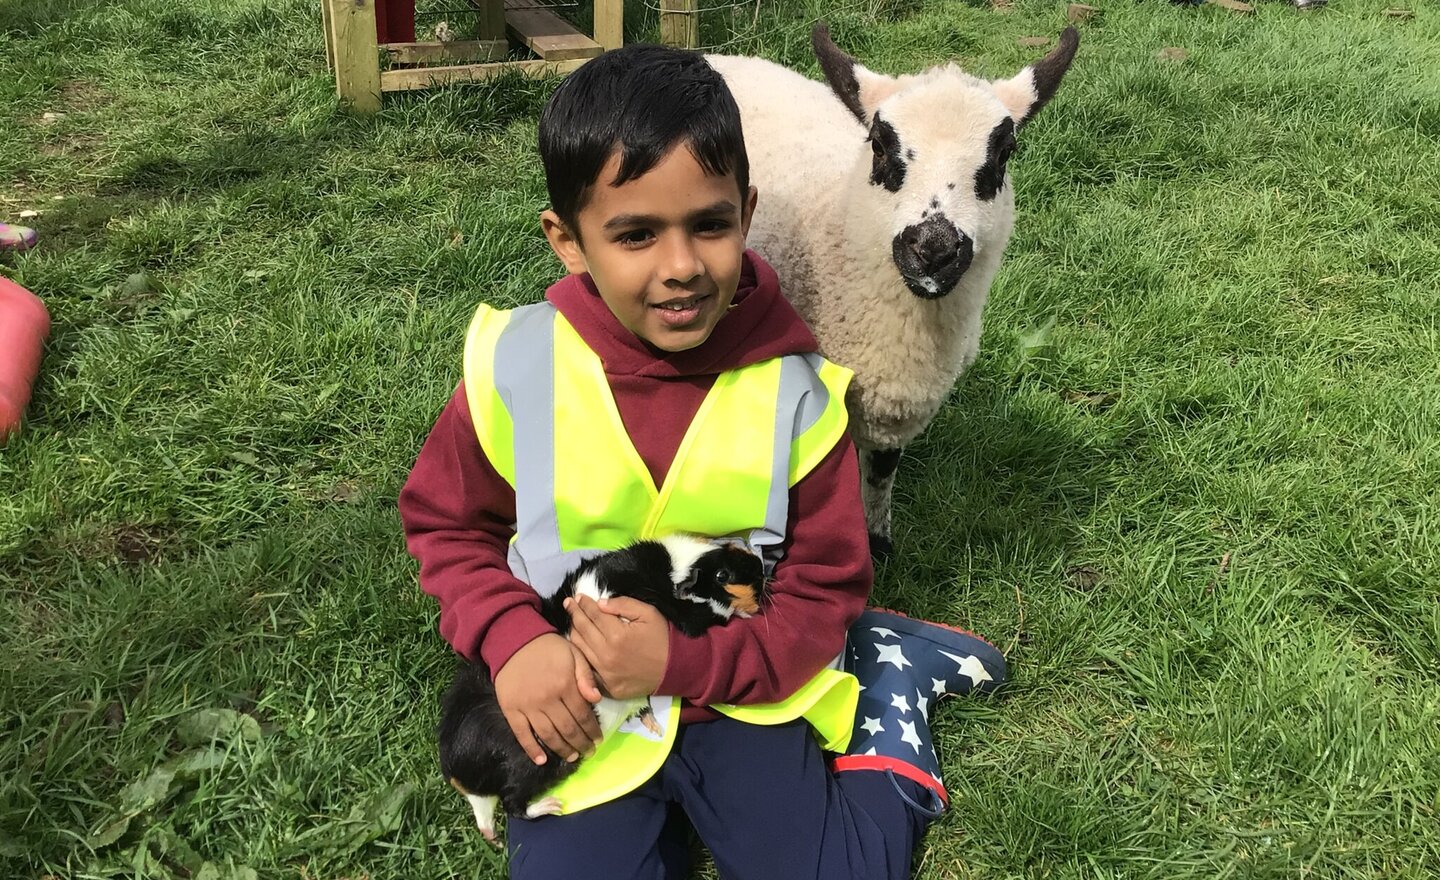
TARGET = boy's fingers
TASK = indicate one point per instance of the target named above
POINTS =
(581, 645)
(584, 628)
(585, 717)
(625, 607)
(585, 680)
(521, 728)
(570, 740)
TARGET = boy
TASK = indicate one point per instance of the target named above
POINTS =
(666, 385)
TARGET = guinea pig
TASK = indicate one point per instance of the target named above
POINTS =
(692, 582)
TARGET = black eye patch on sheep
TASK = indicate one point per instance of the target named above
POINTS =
(991, 175)
(887, 169)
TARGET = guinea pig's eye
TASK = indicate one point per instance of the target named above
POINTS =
(722, 577)
(877, 147)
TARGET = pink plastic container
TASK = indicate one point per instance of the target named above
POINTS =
(24, 325)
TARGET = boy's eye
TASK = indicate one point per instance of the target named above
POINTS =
(716, 225)
(634, 237)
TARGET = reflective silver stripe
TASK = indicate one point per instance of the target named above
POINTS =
(525, 372)
(812, 404)
(800, 404)
(545, 574)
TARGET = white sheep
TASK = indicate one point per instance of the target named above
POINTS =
(885, 207)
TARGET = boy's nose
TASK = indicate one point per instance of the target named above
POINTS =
(682, 260)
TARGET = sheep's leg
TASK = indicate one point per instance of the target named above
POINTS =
(877, 480)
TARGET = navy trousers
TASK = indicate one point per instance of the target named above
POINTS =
(762, 799)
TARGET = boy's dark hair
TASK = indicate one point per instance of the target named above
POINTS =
(641, 100)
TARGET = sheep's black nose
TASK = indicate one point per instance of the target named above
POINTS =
(932, 255)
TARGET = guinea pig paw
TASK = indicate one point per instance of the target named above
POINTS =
(546, 806)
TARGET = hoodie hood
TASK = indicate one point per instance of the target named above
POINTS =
(760, 324)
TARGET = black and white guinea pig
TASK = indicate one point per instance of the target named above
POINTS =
(693, 582)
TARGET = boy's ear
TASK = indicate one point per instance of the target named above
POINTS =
(747, 211)
(564, 243)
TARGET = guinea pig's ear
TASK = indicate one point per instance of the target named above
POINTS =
(691, 581)
(1029, 90)
(860, 90)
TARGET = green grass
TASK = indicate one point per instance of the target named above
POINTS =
(1188, 485)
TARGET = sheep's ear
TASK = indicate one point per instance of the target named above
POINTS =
(1025, 93)
(858, 89)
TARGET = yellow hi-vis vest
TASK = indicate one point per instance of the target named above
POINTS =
(548, 424)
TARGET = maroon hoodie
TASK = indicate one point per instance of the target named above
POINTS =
(459, 514)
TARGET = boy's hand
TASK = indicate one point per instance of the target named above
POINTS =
(545, 690)
(625, 641)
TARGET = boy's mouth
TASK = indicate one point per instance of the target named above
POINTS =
(681, 311)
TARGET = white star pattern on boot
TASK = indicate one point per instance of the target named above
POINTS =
(872, 726)
(899, 702)
(937, 687)
(970, 667)
(884, 632)
(891, 654)
(910, 736)
(923, 704)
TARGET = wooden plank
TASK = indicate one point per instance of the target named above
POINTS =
(357, 53)
(425, 77)
(328, 28)
(680, 23)
(549, 36)
(609, 18)
(456, 52)
(610, 23)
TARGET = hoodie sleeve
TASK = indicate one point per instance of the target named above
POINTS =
(458, 515)
(818, 591)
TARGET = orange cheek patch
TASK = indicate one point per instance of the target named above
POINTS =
(743, 598)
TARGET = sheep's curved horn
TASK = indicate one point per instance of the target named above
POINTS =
(1051, 69)
(1033, 87)
(839, 70)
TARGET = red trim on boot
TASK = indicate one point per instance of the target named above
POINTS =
(956, 629)
(895, 765)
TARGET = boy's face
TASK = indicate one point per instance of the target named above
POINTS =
(664, 249)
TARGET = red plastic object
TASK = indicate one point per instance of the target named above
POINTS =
(24, 325)
(395, 21)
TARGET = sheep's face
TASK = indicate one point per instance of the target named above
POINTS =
(937, 148)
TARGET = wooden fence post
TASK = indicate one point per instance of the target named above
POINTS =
(609, 30)
(680, 23)
(357, 53)
(492, 18)
(325, 26)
